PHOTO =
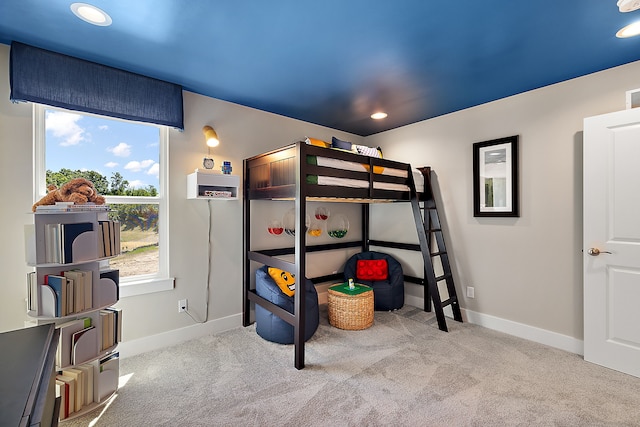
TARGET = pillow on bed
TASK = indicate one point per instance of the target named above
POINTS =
(285, 280)
(317, 142)
(372, 269)
(338, 143)
(368, 151)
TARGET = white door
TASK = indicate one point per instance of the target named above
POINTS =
(612, 227)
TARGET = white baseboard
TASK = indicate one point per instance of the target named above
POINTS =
(177, 336)
(531, 333)
(520, 330)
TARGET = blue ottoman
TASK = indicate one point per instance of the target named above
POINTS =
(273, 328)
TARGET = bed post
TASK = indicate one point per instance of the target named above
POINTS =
(365, 227)
(300, 256)
(246, 239)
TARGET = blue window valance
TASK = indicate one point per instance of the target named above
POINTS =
(44, 77)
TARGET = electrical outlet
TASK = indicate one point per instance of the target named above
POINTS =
(182, 305)
(471, 292)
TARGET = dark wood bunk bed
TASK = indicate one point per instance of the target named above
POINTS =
(293, 173)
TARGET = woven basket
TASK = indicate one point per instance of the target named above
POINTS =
(351, 312)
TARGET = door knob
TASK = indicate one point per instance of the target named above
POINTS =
(596, 252)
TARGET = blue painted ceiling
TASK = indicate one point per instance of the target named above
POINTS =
(334, 62)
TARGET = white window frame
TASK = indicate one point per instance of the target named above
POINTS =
(129, 286)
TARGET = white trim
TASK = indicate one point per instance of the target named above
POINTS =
(177, 336)
(136, 285)
(140, 287)
(520, 330)
(163, 238)
(531, 333)
(39, 167)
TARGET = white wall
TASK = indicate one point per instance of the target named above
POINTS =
(528, 269)
(525, 270)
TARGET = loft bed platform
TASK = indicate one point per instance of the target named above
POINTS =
(302, 172)
(322, 176)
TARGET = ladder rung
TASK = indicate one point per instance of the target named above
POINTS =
(443, 277)
(450, 301)
(438, 253)
(435, 230)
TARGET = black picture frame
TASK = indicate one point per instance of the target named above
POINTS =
(495, 178)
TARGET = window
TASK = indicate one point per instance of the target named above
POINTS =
(127, 162)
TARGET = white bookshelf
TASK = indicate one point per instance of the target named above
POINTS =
(66, 250)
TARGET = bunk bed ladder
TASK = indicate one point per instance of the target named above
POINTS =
(425, 213)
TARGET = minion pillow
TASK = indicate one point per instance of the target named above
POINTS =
(286, 281)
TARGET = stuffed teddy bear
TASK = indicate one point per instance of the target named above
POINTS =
(77, 190)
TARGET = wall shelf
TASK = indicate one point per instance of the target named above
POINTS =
(212, 186)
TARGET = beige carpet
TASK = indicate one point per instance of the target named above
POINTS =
(402, 371)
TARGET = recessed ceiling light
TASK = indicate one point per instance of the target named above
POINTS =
(91, 14)
(379, 115)
(629, 31)
(628, 5)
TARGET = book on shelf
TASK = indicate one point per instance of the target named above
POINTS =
(72, 207)
(53, 243)
(107, 323)
(59, 286)
(71, 297)
(65, 344)
(105, 238)
(83, 288)
(78, 376)
(59, 239)
(83, 345)
(102, 250)
(109, 238)
(110, 278)
(88, 375)
(116, 243)
(108, 373)
(117, 324)
(62, 391)
(69, 234)
(70, 382)
(109, 362)
(33, 296)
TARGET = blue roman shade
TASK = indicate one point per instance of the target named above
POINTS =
(44, 77)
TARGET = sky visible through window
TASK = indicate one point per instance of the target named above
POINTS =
(77, 141)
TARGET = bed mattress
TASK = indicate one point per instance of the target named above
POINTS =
(360, 167)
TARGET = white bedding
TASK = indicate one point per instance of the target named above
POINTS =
(359, 167)
(358, 183)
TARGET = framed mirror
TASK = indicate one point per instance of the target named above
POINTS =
(495, 178)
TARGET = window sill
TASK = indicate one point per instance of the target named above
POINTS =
(148, 286)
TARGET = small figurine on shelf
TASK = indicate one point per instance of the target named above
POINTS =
(226, 167)
(352, 285)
